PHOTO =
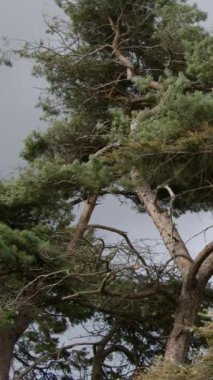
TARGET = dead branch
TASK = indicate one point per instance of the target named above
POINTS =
(108, 278)
(124, 235)
(171, 194)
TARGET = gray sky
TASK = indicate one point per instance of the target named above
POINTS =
(19, 91)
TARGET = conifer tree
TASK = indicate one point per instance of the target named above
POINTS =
(130, 107)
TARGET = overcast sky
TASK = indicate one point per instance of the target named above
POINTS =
(19, 91)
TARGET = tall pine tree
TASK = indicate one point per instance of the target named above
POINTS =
(130, 107)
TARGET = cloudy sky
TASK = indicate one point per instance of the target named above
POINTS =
(22, 20)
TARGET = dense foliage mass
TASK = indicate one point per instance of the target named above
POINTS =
(129, 107)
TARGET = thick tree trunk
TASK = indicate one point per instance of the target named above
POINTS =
(165, 226)
(8, 338)
(7, 342)
(189, 300)
(184, 319)
(195, 274)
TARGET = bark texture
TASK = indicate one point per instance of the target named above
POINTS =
(184, 320)
(81, 227)
(98, 362)
(195, 273)
(165, 226)
(8, 338)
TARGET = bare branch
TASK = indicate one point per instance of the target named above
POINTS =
(107, 148)
(43, 277)
(123, 234)
(200, 233)
(172, 195)
(108, 278)
(201, 257)
(33, 282)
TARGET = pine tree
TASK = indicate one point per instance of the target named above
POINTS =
(130, 107)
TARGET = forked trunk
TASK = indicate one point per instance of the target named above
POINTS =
(165, 225)
(189, 300)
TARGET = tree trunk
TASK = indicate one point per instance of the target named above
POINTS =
(189, 300)
(81, 227)
(184, 319)
(164, 223)
(101, 353)
(7, 342)
(98, 362)
(8, 338)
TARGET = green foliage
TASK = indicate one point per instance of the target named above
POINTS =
(14, 246)
(66, 141)
(91, 104)
(180, 135)
(34, 146)
(5, 54)
(120, 126)
(7, 320)
(199, 59)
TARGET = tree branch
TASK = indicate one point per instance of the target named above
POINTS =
(124, 235)
(124, 61)
(135, 296)
(57, 353)
(201, 257)
(121, 348)
(108, 278)
(89, 206)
